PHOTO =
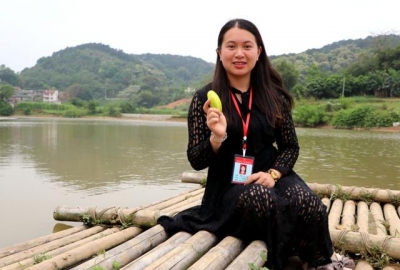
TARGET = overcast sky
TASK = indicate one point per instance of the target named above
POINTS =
(31, 29)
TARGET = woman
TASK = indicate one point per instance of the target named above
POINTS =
(274, 204)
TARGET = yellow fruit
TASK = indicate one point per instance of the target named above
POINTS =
(215, 101)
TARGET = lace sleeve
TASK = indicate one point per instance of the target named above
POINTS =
(199, 151)
(288, 146)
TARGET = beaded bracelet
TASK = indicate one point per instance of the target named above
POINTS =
(218, 139)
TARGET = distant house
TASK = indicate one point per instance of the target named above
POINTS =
(50, 96)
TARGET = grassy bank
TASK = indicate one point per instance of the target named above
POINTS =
(354, 112)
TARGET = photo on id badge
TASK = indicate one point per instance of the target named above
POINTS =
(242, 168)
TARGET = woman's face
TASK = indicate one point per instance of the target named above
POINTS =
(239, 53)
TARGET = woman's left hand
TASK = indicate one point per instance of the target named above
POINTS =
(261, 178)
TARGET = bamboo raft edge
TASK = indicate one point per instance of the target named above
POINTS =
(350, 223)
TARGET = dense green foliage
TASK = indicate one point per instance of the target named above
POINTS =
(368, 66)
(356, 112)
(94, 71)
(6, 91)
(5, 109)
(8, 76)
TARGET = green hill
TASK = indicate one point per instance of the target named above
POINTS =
(339, 55)
(96, 70)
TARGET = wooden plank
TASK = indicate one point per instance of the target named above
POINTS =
(250, 255)
(220, 256)
(159, 251)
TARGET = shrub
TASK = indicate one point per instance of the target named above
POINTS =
(365, 116)
(27, 111)
(127, 107)
(113, 111)
(310, 116)
(5, 108)
(74, 113)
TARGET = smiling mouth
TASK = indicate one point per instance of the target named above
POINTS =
(239, 64)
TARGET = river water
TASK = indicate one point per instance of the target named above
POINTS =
(45, 163)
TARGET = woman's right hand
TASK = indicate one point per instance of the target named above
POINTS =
(216, 120)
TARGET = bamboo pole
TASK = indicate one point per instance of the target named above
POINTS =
(348, 216)
(394, 221)
(193, 177)
(110, 215)
(363, 265)
(142, 216)
(220, 256)
(389, 268)
(86, 251)
(175, 200)
(181, 204)
(191, 191)
(7, 251)
(175, 211)
(327, 202)
(251, 255)
(377, 214)
(30, 261)
(128, 251)
(363, 217)
(186, 253)
(334, 214)
(378, 195)
(355, 242)
(49, 246)
(159, 251)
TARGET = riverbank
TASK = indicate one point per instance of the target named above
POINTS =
(163, 117)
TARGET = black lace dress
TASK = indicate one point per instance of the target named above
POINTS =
(290, 218)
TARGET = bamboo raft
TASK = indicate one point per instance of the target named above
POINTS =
(361, 221)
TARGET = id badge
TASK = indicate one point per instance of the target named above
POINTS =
(242, 168)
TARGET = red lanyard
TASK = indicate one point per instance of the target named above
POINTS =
(245, 124)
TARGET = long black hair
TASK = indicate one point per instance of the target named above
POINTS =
(269, 94)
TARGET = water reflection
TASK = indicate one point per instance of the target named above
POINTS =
(350, 157)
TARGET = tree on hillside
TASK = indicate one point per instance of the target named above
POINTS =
(129, 92)
(289, 73)
(146, 99)
(7, 75)
(6, 91)
(78, 91)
